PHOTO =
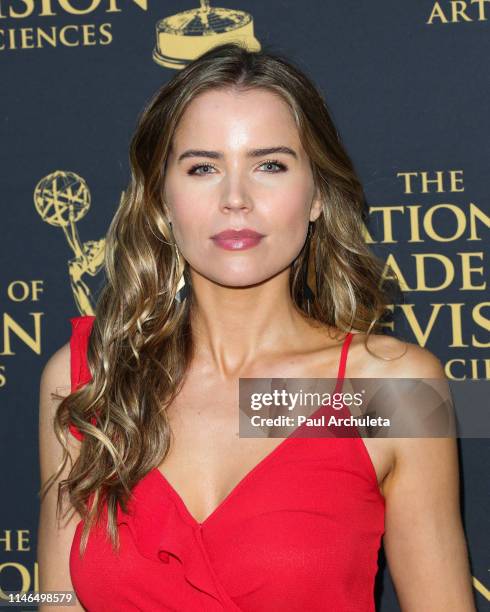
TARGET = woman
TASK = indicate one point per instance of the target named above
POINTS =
(196, 518)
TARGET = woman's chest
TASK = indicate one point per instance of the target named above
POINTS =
(308, 520)
(208, 457)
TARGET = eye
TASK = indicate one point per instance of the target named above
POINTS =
(193, 169)
(269, 162)
(274, 162)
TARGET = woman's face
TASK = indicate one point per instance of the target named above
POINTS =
(217, 179)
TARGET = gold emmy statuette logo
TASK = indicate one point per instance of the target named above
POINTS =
(187, 35)
(62, 199)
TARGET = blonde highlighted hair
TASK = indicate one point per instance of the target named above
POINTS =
(141, 344)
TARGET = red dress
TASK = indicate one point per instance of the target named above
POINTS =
(300, 532)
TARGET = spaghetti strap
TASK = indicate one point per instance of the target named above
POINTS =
(343, 362)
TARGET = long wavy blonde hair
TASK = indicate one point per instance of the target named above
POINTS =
(141, 344)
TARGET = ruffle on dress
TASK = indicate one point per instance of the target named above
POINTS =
(160, 530)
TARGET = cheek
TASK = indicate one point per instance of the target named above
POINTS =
(183, 209)
(189, 230)
(289, 217)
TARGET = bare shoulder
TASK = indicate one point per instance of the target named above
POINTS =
(387, 357)
(55, 381)
(379, 355)
(56, 371)
(55, 384)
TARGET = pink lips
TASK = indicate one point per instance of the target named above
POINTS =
(234, 240)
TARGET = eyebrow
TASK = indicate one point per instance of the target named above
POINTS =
(250, 153)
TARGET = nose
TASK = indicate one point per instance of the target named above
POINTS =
(236, 196)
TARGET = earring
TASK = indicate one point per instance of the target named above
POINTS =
(308, 293)
(182, 288)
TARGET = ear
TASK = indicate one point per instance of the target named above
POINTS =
(316, 206)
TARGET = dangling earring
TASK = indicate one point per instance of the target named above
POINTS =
(182, 288)
(308, 293)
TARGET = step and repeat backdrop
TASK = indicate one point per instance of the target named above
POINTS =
(407, 84)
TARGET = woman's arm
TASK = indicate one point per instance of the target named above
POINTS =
(424, 539)
(54, 540)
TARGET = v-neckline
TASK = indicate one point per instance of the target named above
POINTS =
(183, 506)
(217, 510)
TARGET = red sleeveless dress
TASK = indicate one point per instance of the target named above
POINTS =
(300, 532)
